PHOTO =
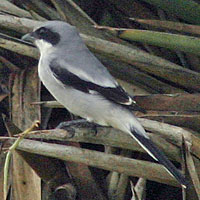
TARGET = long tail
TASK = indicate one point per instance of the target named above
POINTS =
(158, 155)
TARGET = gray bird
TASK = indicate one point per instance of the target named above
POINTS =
(81, 83)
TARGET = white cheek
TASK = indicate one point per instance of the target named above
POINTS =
(43, 46)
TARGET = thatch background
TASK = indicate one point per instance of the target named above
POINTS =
(157, 61)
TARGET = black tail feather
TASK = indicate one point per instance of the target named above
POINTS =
(157, 154)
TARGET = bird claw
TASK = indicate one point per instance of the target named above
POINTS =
(80, 123)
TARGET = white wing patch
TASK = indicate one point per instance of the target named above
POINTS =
(129, 102)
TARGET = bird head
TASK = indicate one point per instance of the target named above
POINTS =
(51, 34)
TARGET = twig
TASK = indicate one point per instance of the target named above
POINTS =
(7, 138)
(8, 156)
(170, 102)
(114, 178)
(8, 64)
(173, 134)
(123, 179)
(192, 171)
(14, 45)
(49, 104)
(134, 193)
(41, 7)
(59, 6)
(155, 102)
(170, 25)
(140, 187)
(21, 25)
(36, 16)
(121, 187)
(137, 77)
(8, 7)
(81, 12)
(146, 62)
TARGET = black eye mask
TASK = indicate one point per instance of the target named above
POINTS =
(47, 35)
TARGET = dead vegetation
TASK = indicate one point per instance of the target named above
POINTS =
(155, 57)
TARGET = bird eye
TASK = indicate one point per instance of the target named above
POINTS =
(47, 35)
(42, 31)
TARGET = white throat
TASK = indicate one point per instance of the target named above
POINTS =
(44, 47)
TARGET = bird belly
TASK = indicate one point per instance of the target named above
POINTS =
(92, 107)
(77, 102)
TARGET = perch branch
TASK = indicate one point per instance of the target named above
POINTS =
(165, 136)
(107, 136)
(131, 167)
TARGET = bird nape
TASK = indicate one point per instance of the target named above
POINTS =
(82, 84)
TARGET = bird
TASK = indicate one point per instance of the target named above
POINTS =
(84, 86)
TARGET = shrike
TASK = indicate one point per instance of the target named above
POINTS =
(81, 83)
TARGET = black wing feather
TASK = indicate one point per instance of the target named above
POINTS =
(117, 95)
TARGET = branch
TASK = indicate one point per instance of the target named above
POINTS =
(21, 25)
(18, 46)
(156, 102)
(41, 8)
(164, 24)
(131, 167)
(173, 134)
(8, 64)
(165, 136)
(145, 62)
(8, 7)
(106, 136)
(170, 102)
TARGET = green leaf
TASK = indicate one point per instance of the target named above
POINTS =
(167, 40)
(177, 26)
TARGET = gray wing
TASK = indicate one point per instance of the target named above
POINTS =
(77, 59)
(88, 84)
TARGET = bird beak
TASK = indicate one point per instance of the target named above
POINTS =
(28, 37)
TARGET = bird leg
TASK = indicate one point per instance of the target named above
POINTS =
(81, 123)
(76, 123)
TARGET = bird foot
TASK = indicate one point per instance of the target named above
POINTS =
(80, 123)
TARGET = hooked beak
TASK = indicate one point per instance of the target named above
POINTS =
(28, 37)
